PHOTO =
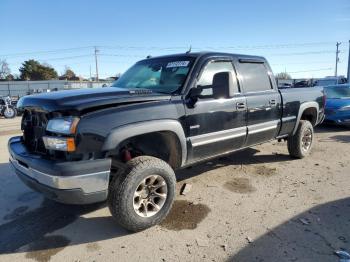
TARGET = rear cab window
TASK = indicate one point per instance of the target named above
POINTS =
(255, 77)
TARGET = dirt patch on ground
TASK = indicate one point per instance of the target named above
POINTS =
(185, 215)
(264, 171)
(92, 247)
(240, 185)
(43, 249)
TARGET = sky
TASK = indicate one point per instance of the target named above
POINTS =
(296, 36)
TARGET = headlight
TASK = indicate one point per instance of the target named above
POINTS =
(64, 125)
(344, 108)
(59, 143)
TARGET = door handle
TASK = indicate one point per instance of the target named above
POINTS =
(240, 106)
(272, 102)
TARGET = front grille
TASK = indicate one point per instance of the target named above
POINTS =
(34, 128)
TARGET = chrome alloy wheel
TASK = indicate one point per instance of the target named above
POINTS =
(150, 196)
(306, 140)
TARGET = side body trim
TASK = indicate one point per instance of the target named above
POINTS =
(217, 136)
(223, 154)
(253, 129)
(288, 118)
(232, 133)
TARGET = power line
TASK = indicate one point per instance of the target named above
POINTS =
(291, 45)
(121, 55)
(312, 70)
(306, 53)
(142, 56)
(46, 52)
(64, 58)
(301, 63)
(144, 47)
(133, 49)
(121, 47)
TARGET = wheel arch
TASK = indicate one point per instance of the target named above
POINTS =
(170, 131)
(307, 111)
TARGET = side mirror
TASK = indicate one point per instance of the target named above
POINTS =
(195, 92)
(222, 85)
(193, 96)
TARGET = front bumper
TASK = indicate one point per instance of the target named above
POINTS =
(78, 182)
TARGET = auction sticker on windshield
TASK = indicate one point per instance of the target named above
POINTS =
(178, 64)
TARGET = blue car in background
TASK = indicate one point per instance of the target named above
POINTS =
(337, 109)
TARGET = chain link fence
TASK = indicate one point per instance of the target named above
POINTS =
(22, 88)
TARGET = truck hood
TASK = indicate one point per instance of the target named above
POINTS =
(80, 99)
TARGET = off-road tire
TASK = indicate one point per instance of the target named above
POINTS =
(123, 186)
(295, 142)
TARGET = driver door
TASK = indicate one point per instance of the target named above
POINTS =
(216, 126)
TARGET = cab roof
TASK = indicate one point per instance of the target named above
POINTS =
(209, 54)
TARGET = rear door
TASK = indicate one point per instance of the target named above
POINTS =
(263, 100)
(216, 126)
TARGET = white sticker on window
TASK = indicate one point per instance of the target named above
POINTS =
(178, 64)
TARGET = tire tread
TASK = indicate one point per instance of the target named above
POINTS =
(123, 182)
(293, 143)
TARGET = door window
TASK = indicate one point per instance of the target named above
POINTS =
(206, 79)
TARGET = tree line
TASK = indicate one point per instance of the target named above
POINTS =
(34, 70)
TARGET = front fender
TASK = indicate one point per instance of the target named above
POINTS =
(118, 135)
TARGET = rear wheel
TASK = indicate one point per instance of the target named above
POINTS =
(9, 112)
(143, 195)
(300, 144)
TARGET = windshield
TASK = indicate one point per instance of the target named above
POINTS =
(337, 92)
(164, 75)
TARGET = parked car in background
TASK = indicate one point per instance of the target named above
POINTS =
(284, 85)
(337, 104)
(303, 83)
(330, 81)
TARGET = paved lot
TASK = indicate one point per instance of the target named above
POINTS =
(256, 205)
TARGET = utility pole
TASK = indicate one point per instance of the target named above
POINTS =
(96, 51)
(349, 64)
(90, 74)
(337, 60)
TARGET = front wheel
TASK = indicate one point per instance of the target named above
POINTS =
(143, 195)
(300, 144)
(9, 112)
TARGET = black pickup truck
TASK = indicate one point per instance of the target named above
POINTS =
(122, 143)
